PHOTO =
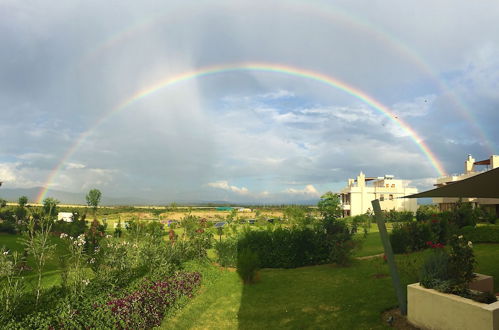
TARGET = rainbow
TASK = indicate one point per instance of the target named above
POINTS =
(257, 67)
(326, 11)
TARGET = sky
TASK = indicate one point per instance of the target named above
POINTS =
(104, 94)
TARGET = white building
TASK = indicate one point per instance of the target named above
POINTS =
(356, 197)
(66, 216)
(470, 169)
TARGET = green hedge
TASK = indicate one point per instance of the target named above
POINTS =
(296, 247)
(481, 234)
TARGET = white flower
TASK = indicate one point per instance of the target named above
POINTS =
(460, 237)
(92, 260)
(470, 244)
(86, 282)
(5, 253)
(108, 236)
(64, 235)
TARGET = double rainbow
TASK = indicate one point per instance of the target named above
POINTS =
(255, 67)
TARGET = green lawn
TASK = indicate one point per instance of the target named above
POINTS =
(369, 246)
(323, 296)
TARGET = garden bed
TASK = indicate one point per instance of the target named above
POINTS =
(428, 308)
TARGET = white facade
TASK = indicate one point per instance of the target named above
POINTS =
(470, 169)
(356, 197)
(66, 216)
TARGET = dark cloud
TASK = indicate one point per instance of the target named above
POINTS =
(64, 67)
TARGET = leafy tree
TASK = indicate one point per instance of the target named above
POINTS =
(3, 202)
(50, 206)
(23, 200)
(93, 199)
(329, 206)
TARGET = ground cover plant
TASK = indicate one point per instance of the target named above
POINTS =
(103, 281)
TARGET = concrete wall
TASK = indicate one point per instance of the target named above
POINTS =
(431, 309)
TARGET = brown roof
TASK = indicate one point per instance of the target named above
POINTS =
(483, 185)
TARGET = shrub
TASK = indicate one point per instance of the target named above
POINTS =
(481, 234)
(145, 307)
(399, 239)
(435, 272)
(464, 215)
(426, 212)
(413, 236)
(227, 252)
(399, 216)
(248, 265)
(452, 272)
(327, 242)
(74, 229)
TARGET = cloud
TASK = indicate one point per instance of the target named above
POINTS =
(309, 190)
(71, 91)
(224, 185)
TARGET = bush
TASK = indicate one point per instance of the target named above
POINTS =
(145, 307)
(328, 242)
(413, 236)
(452, 272)
(435, 270)
(481, 234)
(74, 229)
(227, 252)
(399, 216)
(248, 265)
(426, 212)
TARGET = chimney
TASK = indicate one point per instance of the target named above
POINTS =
(468, 164)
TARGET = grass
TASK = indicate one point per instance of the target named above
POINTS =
(325, 296)
(369, 246)
(488, 261)
(310, 297)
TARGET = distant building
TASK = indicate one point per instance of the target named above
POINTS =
(65, 216)
(470, 169)
(356, 197)
(224, 208)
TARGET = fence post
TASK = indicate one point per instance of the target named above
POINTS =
(400, 291)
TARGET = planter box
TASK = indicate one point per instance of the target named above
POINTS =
(484, 283)
(430, 309)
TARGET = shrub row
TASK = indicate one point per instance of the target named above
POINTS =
(141, 308)
(296, 247)
(145, 308)
(414, 236)
(481, 234)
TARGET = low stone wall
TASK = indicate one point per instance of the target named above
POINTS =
(430, 309)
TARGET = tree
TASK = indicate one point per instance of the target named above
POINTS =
(329, 205)
(50, 206)
(23, 200)
(93, 199)
(3, 202)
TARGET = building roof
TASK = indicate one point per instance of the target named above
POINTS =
(483, 185)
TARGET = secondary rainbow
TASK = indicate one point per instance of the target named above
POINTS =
(257, 67)
(326, 11)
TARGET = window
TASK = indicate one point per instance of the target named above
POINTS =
(382, 197)
(393, 185)
(390, 197)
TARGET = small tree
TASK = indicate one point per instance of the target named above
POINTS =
(329, 206)
(93, 199)
(3, 202)
(23, 200)
(50, 206)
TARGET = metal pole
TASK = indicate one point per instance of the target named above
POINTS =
(399, 290)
